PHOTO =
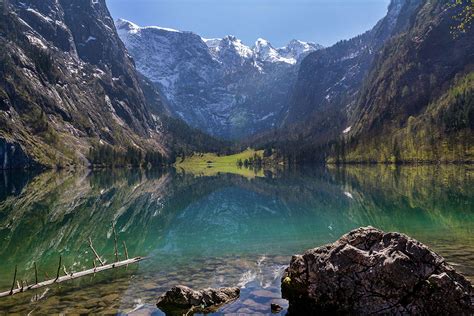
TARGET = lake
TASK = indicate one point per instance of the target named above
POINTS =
(213, 230)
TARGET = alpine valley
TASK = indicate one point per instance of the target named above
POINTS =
(77, 89)
(220, 86)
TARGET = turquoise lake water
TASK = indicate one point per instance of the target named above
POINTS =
(224, 230)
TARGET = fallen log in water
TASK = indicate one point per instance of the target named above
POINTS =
(23, 286)
(71, 276)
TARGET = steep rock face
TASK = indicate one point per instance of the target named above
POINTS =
(418, 95)
(12, 156)
(66, 82)
(330, 79)
(402, 92)
(368, 271)
(218, 85)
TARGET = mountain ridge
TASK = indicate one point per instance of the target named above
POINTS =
(289, 53)
(216, 85)
(69, 92)
(411, 101)
(425, 103)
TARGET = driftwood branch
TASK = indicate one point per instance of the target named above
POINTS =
(65, 271)
(14, 279)
(95, 252)
(59, 267)
(69, 277)
(23, 285)
(125, 249)
(36, 274)
(115, 243)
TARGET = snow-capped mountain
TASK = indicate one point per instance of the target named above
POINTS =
(296, 49)
(221, 86)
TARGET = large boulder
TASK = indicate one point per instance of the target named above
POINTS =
(368, 271)
(182, 300)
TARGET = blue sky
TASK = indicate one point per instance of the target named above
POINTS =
(279, 21)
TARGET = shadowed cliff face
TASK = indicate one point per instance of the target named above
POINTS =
(328, 85)
(417, 103)
(12, 156)
(401, 92)
(330, 78)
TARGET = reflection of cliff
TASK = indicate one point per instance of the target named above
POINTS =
(258, 215)
(168, 214)
(311, 204)
(392, 198)
(57, 213)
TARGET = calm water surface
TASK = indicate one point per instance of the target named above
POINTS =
(222, 230)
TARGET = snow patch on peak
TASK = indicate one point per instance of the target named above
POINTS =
(297, 49)
(262, 51)
(261, 42)
(167, 29)
(236, 44)
(228, 45)
(212, 42)
(126, 25)
(265, 52)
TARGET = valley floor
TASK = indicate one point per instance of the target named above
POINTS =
(209, 164)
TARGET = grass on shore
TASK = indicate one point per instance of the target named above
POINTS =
(209, 164)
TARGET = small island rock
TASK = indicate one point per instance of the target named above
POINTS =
(183, 300)
(368, 271)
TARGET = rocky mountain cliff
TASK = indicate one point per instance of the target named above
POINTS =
(399, 92)
(66, 82)
(417, 103)
(68, 86)
(220, 86)
(329, 79)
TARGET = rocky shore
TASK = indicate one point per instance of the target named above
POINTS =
(366, 271)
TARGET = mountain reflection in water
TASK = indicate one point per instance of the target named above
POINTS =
(221, 230)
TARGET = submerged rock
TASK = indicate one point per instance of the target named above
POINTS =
(183, 300)
(368, 271)
(275, 308)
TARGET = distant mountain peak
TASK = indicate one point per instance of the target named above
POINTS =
(297, 49)
(220, 85)
(265, 52)
(228, 45)
(262, 51)
(125, 25)
(262, 42)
